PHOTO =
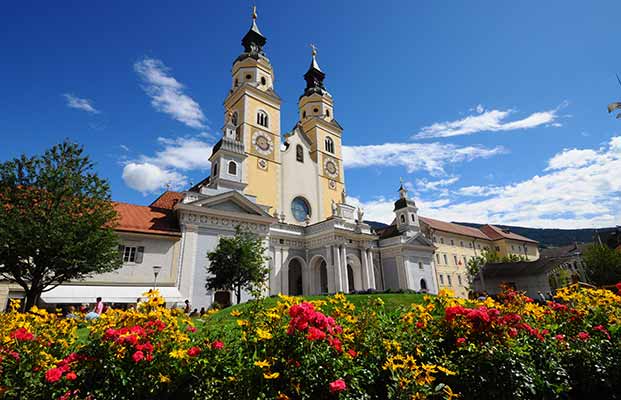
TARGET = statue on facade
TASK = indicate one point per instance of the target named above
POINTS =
(334, 208)
(360, 215)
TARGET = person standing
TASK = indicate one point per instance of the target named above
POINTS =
(187, 308)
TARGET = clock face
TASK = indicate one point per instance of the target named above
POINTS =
(331, 167)
(300, 209)
(262, 143)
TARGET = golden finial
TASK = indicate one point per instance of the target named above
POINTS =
(314, 49)
(254, 12)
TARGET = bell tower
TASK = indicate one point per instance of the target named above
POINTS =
(316, 109)
(255, 113)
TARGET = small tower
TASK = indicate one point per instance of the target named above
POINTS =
(316, 109)
(227, 159)
(405, 212)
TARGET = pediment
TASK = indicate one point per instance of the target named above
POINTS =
(232, 202)
(420, 240)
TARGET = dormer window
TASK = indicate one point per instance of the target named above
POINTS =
(232, 168)
(262, 119)
(299, 153)
(329, 145)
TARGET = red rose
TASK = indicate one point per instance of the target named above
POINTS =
(218, 345)
(138, 356)
(53, 375)
(560, 337)
(194, 351)
(191, 329)
(460, 341)
(22, 334)
(337, 386)
(352, 353)
(315, 334)
(584, 336)
(71, 376)
(513, 332)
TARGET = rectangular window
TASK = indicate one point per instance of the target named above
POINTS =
(438, 258)
(525, 249)
(452, 242)
(435, 239)
(465, 260)
(461, 243)
(455, 259)
(448, 280)
(459, 279)
(445, 259)
(129, 254)
(479, 246)
(497, 248)
(512, 248)
(420, 265)
(442, 240)
(441, 280)
(470, 244)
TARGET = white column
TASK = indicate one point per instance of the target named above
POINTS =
(329, 270)
(284, 272)
(365, 269)
(372, 284)
(337, 269)
(276, 272)
(344, 277)
(188, 263)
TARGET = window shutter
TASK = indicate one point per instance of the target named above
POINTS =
(121, 251)
(139, 254)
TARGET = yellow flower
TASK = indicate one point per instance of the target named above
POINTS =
(164, 379)
(179, 354)
(262, 364)
(236, 313)
(446, 370)
(272, 375)
(243, 322)
(282, 396)
(448, 392)
(263, 334)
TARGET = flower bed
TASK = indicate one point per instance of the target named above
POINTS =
(323, 349)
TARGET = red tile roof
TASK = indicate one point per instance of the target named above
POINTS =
(167, 200)
(454, 228)
(496, 233)
(146, 219)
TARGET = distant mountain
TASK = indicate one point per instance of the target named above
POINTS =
(545, 237)
(548, 237)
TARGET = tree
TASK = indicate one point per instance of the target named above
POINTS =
(237, 263)
(56, 221)
(603, 264)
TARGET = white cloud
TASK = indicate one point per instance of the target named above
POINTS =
(488, 121)
(80, 104)
(147, 178)
(149, 174)
(167, 93)
(426, 185)
(572, 158)
(430, 157)
(571, 196)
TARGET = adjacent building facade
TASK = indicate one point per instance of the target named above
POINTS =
(288, 187)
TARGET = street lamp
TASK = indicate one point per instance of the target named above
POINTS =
(156, 272)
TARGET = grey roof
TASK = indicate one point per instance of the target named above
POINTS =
(522, 268)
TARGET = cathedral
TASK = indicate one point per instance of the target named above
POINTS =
(288, 187)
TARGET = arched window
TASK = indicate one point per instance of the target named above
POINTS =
(262, 118)
(263, 81)
(402, 219)
(299, 153)
(329, 145)
(215, 169)
(413, 218)
(232, 168)
(304, 114)
(236, 82)
(234, 118)
(423, 284)
(328, 113)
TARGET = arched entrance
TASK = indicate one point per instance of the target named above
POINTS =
(350, 278)
(423, 285)
(323, 277)
(295, 277)
(318, 275)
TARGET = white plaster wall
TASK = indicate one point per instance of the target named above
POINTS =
(391, 278)
(158, 250)
(299, 179)
(415, 273)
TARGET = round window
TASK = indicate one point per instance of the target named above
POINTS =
(300, 208)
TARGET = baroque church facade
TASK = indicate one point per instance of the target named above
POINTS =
(286, 187)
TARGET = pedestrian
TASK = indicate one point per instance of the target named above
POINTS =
(203, 311)
(194, 313)
(187, 308)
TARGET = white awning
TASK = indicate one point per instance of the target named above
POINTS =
(108, 294)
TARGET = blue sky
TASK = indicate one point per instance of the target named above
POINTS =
(491, 111)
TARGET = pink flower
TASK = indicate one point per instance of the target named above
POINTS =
(584, 336)
(191, 329)
(603, 330)
(218, 345)
(315, 334)
(460, 341)
(337, 386)
(513, 332)
(560, 337)
(53, 375)
(194, 351)
(138, 356)
(352, 353)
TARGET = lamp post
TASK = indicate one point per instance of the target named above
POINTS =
(156, 272)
